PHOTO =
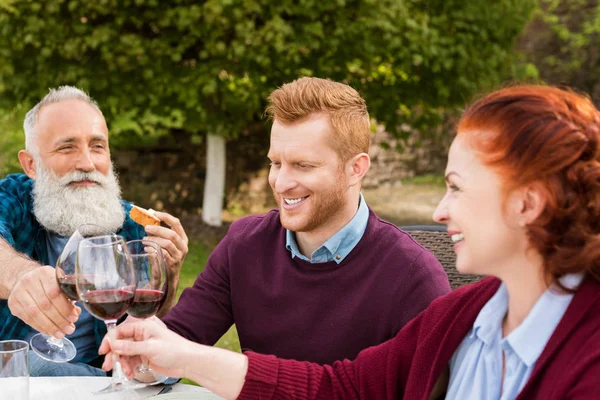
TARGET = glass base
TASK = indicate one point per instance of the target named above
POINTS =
(120, 386)
(149, 376)
(52, 349)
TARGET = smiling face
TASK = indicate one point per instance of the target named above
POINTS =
(74, 179)
(309, 181)
(488, 233)
(72, 136)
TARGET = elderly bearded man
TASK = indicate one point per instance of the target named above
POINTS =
(68, 181)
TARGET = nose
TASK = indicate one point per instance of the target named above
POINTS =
(283, 180)
(440, 215)
(85, 162)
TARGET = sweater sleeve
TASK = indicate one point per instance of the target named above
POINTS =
(379, 372)
(204, 312)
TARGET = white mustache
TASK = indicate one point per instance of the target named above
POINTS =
(61, 208)
(78, 176)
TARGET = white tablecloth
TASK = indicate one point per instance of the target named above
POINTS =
(81, 388)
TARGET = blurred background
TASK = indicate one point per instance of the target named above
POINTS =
(183, 84)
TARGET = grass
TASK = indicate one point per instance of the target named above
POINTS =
(427, 179)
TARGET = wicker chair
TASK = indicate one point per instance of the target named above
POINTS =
(435, 238)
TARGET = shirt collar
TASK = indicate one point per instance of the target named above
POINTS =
(337, 247)
(488, 324)
(529, 339)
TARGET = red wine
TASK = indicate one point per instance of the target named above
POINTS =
(146, 303)
(108, 304)
(68, 286)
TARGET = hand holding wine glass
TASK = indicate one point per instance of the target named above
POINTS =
(151, 275)
(48, 347)
(106, 284)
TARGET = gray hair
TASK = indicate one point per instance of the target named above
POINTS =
(54, 96)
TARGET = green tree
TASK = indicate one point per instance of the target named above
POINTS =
(563, 42)
(11, 139)
(206, 67)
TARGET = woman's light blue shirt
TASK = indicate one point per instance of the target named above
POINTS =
(476, 366)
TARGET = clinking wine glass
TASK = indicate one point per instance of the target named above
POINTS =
(151, 274)
(106, 283)
(48, 347)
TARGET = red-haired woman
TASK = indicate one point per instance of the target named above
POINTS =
(523, 206)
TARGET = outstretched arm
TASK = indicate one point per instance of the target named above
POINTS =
(379, 372)
(33, 293)
(221, 371)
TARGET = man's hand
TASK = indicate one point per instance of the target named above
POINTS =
(38, 301)
(174, 243)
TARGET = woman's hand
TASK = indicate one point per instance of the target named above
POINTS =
(221, 371)
(162, 349)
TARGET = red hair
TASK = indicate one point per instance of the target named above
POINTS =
(551, 138)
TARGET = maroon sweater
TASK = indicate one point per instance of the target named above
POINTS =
(408, 366)
(303, 311)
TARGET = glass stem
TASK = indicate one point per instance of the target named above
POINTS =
(117, 375)
(55, 342)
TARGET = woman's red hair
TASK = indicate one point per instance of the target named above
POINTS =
(549, 137)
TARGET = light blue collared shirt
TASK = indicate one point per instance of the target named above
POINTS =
(337, 247)
(476, 366)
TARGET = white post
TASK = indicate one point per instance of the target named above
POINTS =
(214, 186)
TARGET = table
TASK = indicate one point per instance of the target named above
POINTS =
(82, 387)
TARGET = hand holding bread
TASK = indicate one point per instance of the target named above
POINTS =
(172, 240)
(143, 217)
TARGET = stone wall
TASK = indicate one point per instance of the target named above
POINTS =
(402, 159)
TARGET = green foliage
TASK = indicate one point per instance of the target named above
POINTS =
(193, 264)
(207, 66)
(12, 138)
(563, 41)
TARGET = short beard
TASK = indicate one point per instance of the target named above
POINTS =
(61, 208)
(326, 207)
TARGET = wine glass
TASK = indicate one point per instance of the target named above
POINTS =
(151, 274)
(48, 347)
(106, 283)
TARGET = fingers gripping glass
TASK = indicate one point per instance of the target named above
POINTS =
(151, 275)
(106, 283)
(48, 347)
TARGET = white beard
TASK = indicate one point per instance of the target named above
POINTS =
(61, 208)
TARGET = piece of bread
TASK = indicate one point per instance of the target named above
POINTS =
(143, 217)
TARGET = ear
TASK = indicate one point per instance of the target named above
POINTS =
(532, 203)
(357, 167)
(28, 163)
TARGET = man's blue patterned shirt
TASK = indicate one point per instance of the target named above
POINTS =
(20, 228)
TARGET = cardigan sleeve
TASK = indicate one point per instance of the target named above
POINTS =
(379, 372)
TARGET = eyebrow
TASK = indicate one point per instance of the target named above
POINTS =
(449, 174)
(296, 160)
(71, 139)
